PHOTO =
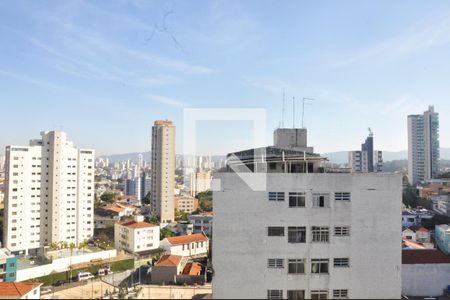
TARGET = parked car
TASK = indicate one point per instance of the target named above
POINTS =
(61, 282)
(84, 276)
(104, 271)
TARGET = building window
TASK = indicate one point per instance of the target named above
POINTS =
(321, 200)
(276, 196)
(296, 234)
(276, 231)
(296, 294)
(340, 294)
(320, 234)
(275, 294)
(296, 266)
(319, 294)
(319, 266)
(341, 262)
(297, 199)
(342, 196)
(275, 263)
(342, 231)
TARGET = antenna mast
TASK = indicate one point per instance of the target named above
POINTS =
(282, 111)
(303, 110)
(293, 112)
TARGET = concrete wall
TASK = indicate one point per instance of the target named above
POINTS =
(425, 279)
(62, 264)
(164, 275)
(241, 246)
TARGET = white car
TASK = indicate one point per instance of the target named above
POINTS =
(84, 276)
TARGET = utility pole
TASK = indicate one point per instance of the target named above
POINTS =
(293, 112)
(282, 111)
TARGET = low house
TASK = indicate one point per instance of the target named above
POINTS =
(119, 209)
(175, 269)
(136, 236)
(424, 273)
(417, 234)
(194, 245)
(409, 234)
(20, 290)
(202, 223)
(166, 269)
(442, 233)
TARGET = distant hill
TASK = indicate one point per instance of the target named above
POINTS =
(341, 157)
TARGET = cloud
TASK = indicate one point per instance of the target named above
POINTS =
(431, 33)
(31, 80)
(402, 106)
(167, 101)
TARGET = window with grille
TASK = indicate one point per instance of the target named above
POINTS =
(296, 266)
(319, 294)
(321, 200)
(275, 231)
(296, 234)
(340, 294)
(275, 263)
(319, 266)
(341, 262)
(342, 196)
(342, 231)
(276, 196)
(320, 234)
(275, 294)
(297, 199)
(296, 294)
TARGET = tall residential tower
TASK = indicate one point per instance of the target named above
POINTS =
(367, 160)
(163, 170)
(307, 234)
(423, 146)
(49, 193)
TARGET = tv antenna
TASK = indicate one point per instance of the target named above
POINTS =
(305, 101)
(282, 110)
(293, 112)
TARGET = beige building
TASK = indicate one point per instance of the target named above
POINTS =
(186, 204)
(163, 170)
(49, 193)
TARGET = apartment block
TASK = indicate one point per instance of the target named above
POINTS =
(136, 236)
(423, 146)
(366, 160)
(306, 234)
(49, 193)
(163, 170)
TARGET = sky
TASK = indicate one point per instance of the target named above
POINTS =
(103, 71)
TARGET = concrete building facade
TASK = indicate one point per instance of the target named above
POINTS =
(49, 193)
(307, 234)
(423, 146)
(163, 170)
(136, 236)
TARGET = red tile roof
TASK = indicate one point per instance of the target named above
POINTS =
(414, 257)
(169, 261)
(114, 208)
(17, 289)
(186, 239)
(193, 269)
(133, 224)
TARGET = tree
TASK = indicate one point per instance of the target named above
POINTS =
(164, 233)
(180, 215)
(147, 199)
(108, 197)
(205, 201)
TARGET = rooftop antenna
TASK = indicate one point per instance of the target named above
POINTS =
(293, 112)
(370, 132)
(305, 99)
(282, 111)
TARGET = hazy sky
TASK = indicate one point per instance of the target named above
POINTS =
(103, 71)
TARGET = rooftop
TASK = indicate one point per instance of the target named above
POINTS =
(192, 269)
(133, 224)
(17, 289)
(413, 257)
(169, 261)
(186, 239)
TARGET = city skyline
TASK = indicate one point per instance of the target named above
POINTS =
(142, 61)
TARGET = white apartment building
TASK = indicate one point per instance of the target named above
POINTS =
(307, 234)
(199, 181)
(163, 170)
(49, 193)
(136, 236)
(423, 146)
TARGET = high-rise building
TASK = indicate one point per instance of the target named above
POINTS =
(367, 160)
(49, 193)
(306, 234)
(423, 146)
(199, 181)
(163, 170)
(140, 162)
